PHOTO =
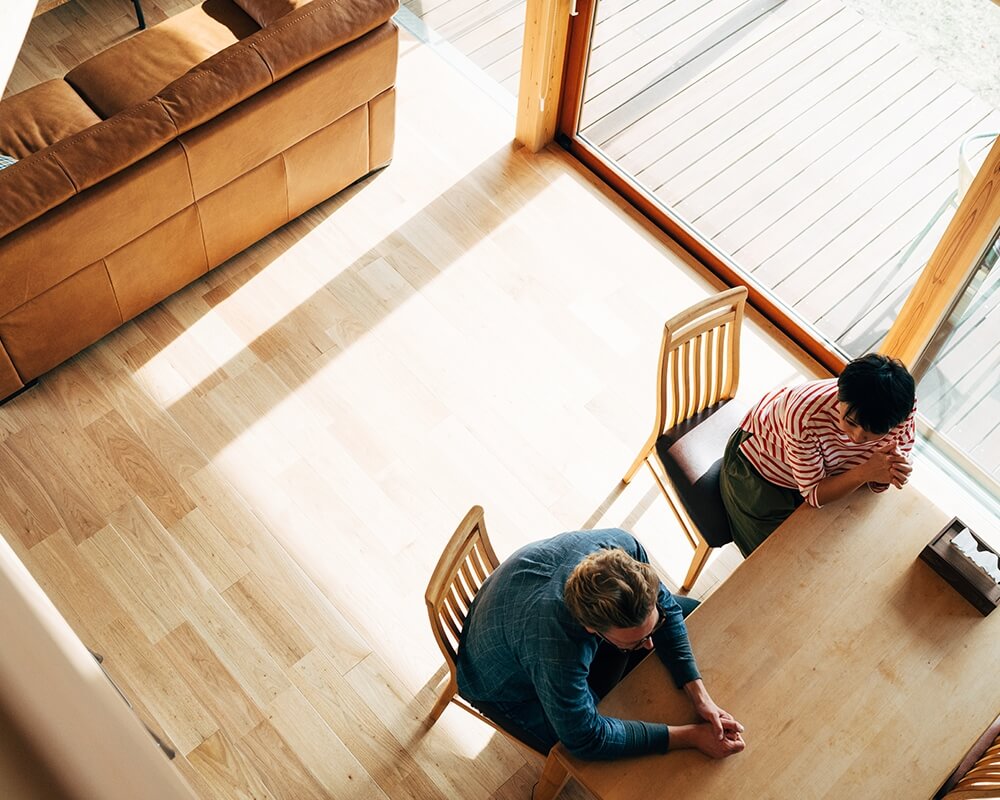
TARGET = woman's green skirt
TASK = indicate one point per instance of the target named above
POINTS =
(755, 505)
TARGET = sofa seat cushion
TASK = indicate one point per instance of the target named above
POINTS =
(139, 67)
(41, 116)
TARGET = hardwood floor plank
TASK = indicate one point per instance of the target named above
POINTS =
(323, 622)
(139, 467)
(183, 717)
(328, 758)
(134, 586)
(367, 736)
(228, 769)
(213, 684)
(24, 504)
(61, 562)
(238, 648)
(209, 549)
(64, 479)
(250, 598)
(170, 567)
(448, 760)
(176, 452)
(285, 774)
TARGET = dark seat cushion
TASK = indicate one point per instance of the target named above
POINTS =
(691, 455)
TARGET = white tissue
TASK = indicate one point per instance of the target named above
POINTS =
(967, 545)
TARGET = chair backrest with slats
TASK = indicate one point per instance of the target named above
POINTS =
(700, 357)
(466, 562)
(983, 780)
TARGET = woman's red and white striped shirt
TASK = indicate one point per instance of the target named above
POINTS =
(797, 442)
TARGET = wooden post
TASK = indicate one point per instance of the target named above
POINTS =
(954, 259)
(546, 31)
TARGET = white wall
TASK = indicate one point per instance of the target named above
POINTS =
(16, 17)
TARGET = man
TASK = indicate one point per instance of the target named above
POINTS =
(818, 442)
(556, 626)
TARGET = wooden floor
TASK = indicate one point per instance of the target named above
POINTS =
(805, 141)
(239, 496)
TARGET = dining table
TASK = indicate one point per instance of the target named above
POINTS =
(857, 671)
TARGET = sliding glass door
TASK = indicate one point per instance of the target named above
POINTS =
(815, 150)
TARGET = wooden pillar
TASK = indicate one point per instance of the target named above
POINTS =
(546, 30)
(950, 266)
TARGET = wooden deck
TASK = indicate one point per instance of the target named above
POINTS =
(807, 143)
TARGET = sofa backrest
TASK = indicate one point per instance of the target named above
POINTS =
(51, 176)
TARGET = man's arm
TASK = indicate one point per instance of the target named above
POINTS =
(560, 680)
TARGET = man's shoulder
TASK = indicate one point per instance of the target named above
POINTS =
(590, 541)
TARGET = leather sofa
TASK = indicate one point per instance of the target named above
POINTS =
(163, 156)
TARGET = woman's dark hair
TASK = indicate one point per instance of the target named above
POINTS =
(878, 390)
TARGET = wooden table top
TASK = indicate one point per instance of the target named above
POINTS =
(858, 672)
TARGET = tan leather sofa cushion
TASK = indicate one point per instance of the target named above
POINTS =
(316, 29)
(52, 176)
(312, 176)
(139, 67)
(158, 263)
(267, 11)
(65, 319)
(381, 128)
(41, 116)
(287, 112)
(10, 381)
(47, 179)
(88, 227)
(29, 188)
(244, 211)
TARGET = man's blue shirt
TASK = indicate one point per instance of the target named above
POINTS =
(523, 651)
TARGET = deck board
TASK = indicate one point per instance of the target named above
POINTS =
(824, 154)
(765, 115)
(704, 87)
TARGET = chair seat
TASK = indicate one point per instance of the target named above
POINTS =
(691, 455)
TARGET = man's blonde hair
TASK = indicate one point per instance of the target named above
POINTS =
(610, 589)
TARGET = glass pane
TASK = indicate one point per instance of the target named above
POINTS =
(481, 38)
(814, 144)
(959, 375)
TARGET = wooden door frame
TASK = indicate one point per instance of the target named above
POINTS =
(556, 50)
(554, 64)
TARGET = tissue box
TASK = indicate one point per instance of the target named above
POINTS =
(955, 567)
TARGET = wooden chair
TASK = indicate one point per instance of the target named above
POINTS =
(697, 378)
(466, 562)
(982, 781)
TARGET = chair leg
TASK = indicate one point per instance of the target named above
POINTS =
(643, 454)
(698, 562)
(449, 692)
(552, 781)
